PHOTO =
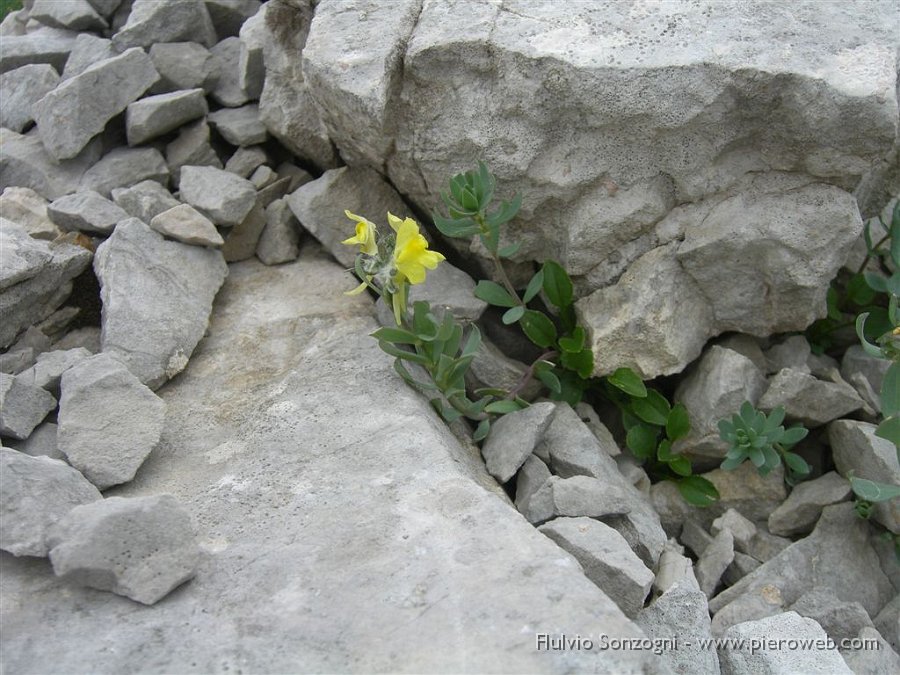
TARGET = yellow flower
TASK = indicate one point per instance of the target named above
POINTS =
(365, 235)
(411, 254)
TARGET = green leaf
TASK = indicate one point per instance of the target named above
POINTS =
(494, 294)
(653, 409)
(410, 380)
(473, 342)
(796, 463)
(890, 391)
(448, 413)
(572, 387)
(774, 420)
(506, 212)
(482, 430)
(833, 303)
(557, 285)
(641, 440)
(757, 456)
(502, 407)
(396, 335)
(628, 381)
(510, 250)
(513, 314)
(581, 362)
(747, 413)
(889, 430)
(872, 491)
(424, 322)
(575, 343)
(698, 491)
(731, 463)
(793, 435)
(877, 282)
(534, 286)
(678, 423)
(895, 235)
(867, 346)
(680, 465)
(455, 227)
(893, 284)
(539, 329)
(858, 291)
(549, 378)
(403, 354)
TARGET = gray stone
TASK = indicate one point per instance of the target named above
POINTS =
(741, 566)
(856, 448)
(747, 345)
(573, 497)
(794, 352)
(22, 406)
(670, 506)
(634, 473)
(285, 105)
(176, 284)
(297, 175)
(491, 368)
(680, 612)
(14, 362)
(808, 400)
(280, 240)
(449, 289)
(252, 65)
(714, 561)
(154, 116)
(140, 547)
(50, 366)
(841, 620)
(823, 366)
(225, 86)
(590, 418)
(224, 197)
(72, 14)
(245, 161)
(13, 23)
(839, 542)
(31, 300)
(106, 8)
(263, 176)
(800, 511)
(57, 323)
(764, 545)
(856, 361)
(28, 209)
(108, 421)
(22, 87)
(239, 126)
(22, 50)
(513, 437)
(187, 225)
(745, 491)
(87, 50)
(23, 256)
(741, 529)
(788, 626)
(41, 443)
(320, 205)
(868, 661)
(242, 240)
(607, 560)
(25, 163)
(695, 537)
(675, 568)
(572, 448)
(36, 493)
(305, 529)
(531, 476)
(87, 337)
(632, 324)
(144, 200)
(98, 94)
(887, 621)
(191, 148)
(721, 381)
(86, 211)
(151, 21)
(181, 65)
(124, 167)
(228, 15)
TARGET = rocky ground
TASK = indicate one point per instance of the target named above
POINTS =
(207, 463)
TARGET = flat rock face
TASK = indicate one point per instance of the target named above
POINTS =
(332, 527)
(157, 296)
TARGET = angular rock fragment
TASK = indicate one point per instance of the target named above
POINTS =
(791, 626)
(144, 200)
(675, 568)
(124, 167)
(87, 50)
(23, 257)
(49, 367)
(181, 65)
(224, 197)
(239, 126)
(297, 175)
(22, 406)
(139, 547)
(800, 511)
(108, 421)
(490, 368)
(856, 362)
(228, 15)
(263, 176)
(252, 66)
(154, 116)
(187, 225)
(809, 400)
(575, 496)
(242, 240)
(716, 558)
(794, 352)
(280, 240)
(22, 50)
(887, 621)
(86, 211)
(745, 491)
(573, 450)
(741, 566)
(607, 560)
(176, 284)
(841, 620)
(513, 437)
(28, 209)
(449, 289)
(21, 88)
(71, 14)
(882, 660)
(87, 337)
(98, 94)
(245, 161)
(35, 493)
(742, 530)
(191, 148)
(531, 476)
(24, 162)
(41, 443)
(151, 21)
(225, 87)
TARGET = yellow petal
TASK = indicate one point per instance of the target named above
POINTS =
(394, 221)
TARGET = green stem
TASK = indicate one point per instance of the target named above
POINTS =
(529, 374)
(869, 254)
(498, 264)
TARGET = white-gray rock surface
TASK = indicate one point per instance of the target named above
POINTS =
(280, 240)
(27, 208)
(800, 511)
(154, 116)
(191, 147)
(124, 167)
(809, 400)
(144, 200)
(513, 437)
(21, 88)
(186, 224)
(181, 65)
(87, 211)
(22, 406)
(574, 497)
(221, 195)
(239, 126)
(151, 21)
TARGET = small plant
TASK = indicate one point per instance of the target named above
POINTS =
(764, 442)
(868, 493)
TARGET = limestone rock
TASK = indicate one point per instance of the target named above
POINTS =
(245, 161)
(742, 530)
(888, 622)
(36, 492)
(98, 94)
(151, 22)
(86, 211)
(144, 200)
(263, 176)
(239, 126)
(27, 208)
(252, 65)
(23, 50)
(607, 560)
(41, 443)
(224, 79)
(744, 490)
(87, 50)
(490, 368)
(531, 476)
(800, 511)
(181, 65)
(572, 448)
(108, 421)
(23, 256)
(25, 163)
(140, 547)
(809, 400)
(228, 15)
(794, 352)
(22, 406)
(841, 620)
(72, 14)
(176, 284)
(243, 238)
(191, 148)
(575, 496)
(279, 241)
(124, 167)
(513, 437)
(224, 197)
(187, 225)
(675, 568)
(154, 116)
(856, 361)
(22, 87)
(50, 366)
(880, 661)
(714, 561)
